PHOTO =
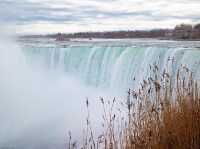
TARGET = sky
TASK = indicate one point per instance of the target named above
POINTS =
(52, 16)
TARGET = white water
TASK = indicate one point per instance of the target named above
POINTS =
(43, 84)
(113, 64)
(38, 108)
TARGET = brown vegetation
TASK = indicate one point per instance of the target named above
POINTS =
(163, 114)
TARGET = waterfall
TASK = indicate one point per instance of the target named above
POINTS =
(43, 83)
(113, 66)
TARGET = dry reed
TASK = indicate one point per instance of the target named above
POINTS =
(163, 114)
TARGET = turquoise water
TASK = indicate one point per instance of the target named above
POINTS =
(44, 83)
(112, 64)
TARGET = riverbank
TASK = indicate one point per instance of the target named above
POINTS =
(182, 32)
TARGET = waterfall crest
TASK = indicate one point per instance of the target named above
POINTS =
(111, 65)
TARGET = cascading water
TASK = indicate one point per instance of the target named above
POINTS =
(43, 83)
(113, 65)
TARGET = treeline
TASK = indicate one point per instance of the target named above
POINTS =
(159, 33)
(114, 34)
(186, 31)
(180, 32)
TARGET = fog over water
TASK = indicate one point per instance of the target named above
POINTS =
(44, 84)
(39, 107)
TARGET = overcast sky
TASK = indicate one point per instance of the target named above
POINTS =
(48, 16)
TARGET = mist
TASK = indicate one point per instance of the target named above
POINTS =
(38, 107)
(41, 102)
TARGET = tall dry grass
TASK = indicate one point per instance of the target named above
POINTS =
(163, 114)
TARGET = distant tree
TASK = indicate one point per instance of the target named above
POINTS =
(183, 31)
(197, 26)
(196, 31)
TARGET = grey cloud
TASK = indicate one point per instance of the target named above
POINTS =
(25, 11)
